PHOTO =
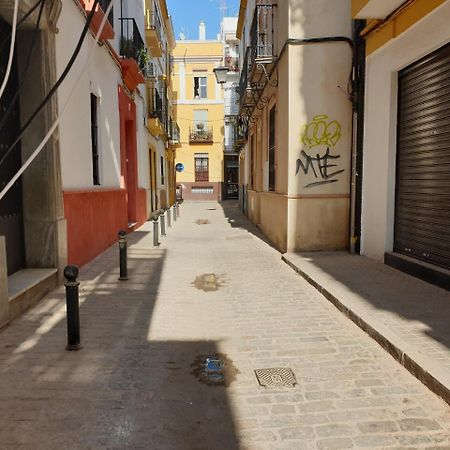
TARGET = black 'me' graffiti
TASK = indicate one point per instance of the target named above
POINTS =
(322, 164)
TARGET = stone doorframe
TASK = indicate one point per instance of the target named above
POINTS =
(43, 213)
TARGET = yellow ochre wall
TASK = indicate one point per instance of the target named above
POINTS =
(199, 56)
(384, 31)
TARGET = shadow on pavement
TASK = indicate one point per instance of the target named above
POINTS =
(123, 390)
(388, 289)
(237, 219)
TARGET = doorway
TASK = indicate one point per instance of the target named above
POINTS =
(11, 206)
(231, 176)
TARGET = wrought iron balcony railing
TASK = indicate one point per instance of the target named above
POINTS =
(262, 34)
(131, 42)
(174, 131)
(244, 82)
(157, 108)
(201, 133)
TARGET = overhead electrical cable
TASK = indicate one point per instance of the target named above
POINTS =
(27, 68)
(11, 48)
(64, 107)
(20, 22)
(56, 86)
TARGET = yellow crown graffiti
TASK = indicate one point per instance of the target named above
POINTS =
(320, 132)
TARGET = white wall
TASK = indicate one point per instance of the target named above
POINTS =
(378, 202)
(102, 78)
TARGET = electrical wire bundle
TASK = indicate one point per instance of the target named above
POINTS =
(53, 90)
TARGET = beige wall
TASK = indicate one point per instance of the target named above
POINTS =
(314, 115)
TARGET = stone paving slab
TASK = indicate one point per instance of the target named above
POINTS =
(132, 386)
(407, 316)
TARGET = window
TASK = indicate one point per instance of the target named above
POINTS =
(272, 118)
(94, 140)
(162, 170)
(201, 166)
(200, 87)
(200, 116)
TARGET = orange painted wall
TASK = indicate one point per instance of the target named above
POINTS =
(93, 220)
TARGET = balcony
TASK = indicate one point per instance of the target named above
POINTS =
(157, 114)
(153, 32)
(133, 53)
(259, 59)
(174, 134)
(200, 133)
(262, 35)
(246, 96)
(232, 63)
(108, 29)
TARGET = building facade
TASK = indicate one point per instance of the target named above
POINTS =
(162, 125)
(296, 105)
(405, 179)
(231, 108)
(200, 111)
(106, 168)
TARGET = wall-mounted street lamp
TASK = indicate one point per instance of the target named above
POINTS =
(221, 74)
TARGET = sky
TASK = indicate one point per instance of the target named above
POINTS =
(187, 14)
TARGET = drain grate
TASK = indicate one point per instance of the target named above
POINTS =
(276, 377)
(212, 209)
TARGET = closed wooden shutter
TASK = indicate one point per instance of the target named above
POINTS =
(422, 216)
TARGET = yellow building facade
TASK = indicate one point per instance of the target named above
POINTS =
(161, 115)
(200, 111)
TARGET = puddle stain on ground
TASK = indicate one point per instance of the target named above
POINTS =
(202, 222)
(208, 282)
(214, 370)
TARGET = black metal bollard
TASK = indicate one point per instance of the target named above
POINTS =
(155, 231)
(174, 212)
(178, 209)
(123, 256)
(162, 217)
(73, 314)
(169, 219)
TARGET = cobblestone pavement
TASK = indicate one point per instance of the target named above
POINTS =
(212, 287)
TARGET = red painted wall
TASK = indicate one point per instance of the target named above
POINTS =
(93, 220)
(136, 197)
(95, 217)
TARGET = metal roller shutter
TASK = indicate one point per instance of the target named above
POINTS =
(422, 216)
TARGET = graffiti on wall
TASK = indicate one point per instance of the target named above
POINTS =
(318, 138)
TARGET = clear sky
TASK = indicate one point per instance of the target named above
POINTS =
(187, 14)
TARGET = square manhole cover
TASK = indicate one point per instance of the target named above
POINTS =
(276, 377)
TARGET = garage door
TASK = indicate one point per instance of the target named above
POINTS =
(422, 217)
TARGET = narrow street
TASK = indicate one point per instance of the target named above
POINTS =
(213, 288)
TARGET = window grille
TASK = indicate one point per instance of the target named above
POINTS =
(201, 166)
